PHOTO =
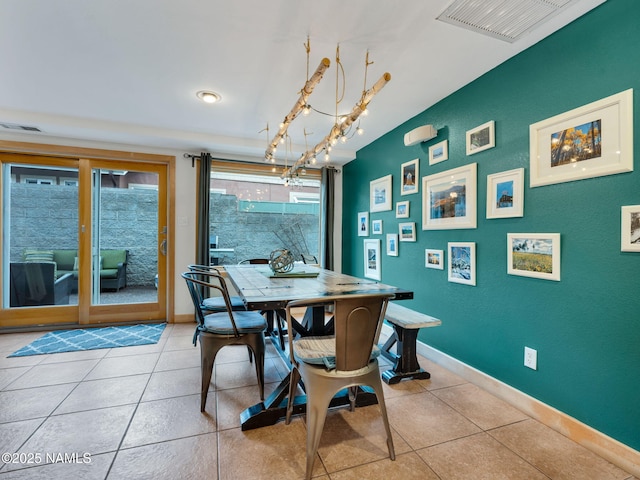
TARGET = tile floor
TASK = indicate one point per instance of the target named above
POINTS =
(134, 412)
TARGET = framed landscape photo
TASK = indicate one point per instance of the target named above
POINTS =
(392, 244)
(589, 141)
(481, 138)
(363, 224)
(630, 234)
(534, 255)
(380, 194)
(376, 227)
(407, 231)
(505, 194)
(449, 199)
(402, 209)
(409, 175)
(439, 152)
(372, 259)
(434, 259)
(461, 265)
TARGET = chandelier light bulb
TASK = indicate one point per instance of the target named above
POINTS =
(343, 139)
(334, 140)
(360, 131)
(306, 110)
(326, 157)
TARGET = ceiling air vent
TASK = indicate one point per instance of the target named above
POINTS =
(15, 126)
(506, 20)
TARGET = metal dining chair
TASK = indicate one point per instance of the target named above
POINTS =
(218, 329)
(329, 364)
(217, 303)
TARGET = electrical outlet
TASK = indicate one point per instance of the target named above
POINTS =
(530, 358)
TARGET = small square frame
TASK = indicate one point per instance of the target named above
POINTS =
(402, 209)
(535, 255)
(434, 258)
(461, 262)
(376, 227)
(505, 194)
(481, 138)
(372, 258)
(407, 231)
(630, 229)
(410, 177)
(380, 194)
(439, 152)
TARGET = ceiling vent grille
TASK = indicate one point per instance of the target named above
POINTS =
(23, 128)
(506, 20)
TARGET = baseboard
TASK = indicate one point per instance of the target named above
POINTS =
(183, 318)
(612, 450)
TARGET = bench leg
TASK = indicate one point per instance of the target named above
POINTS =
(406, 359)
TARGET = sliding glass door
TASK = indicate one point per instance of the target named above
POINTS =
(84, 241)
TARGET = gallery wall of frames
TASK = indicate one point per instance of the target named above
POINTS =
(519, 224)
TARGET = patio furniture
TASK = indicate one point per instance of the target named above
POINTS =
(35, 284)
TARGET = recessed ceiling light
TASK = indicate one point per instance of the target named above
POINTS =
(208, 96)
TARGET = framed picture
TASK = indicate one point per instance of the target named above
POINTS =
(589, 141)
(372, 259)
(392, 244)
(481, 138)
(376, 227)
(630, 234)
(434, 259)
(505, 194)
(410, 176)
(439, 152)
(461, 266)
(534, 255)
(380, 194)
(449, 199)
(402, 209)
(363, 224)
(407, 231)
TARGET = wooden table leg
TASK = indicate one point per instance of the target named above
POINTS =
(405, 359)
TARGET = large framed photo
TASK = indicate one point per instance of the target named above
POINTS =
(363, 224)
(630, 234)
(449, 199)
(380, 194)
(505, 194)
(462, 262)
(481, 138)
(392, 244)
(589, 141)
(534, 255)
(407, 231)
(410, 177)
(434, 259)
(372, 259)
(439, 152)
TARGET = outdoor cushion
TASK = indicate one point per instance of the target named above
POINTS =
(111, 258)
(38, 255)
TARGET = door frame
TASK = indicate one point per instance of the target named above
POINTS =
(36, 316)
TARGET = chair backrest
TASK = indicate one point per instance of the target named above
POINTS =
(357, 323)
(199, 285)
(306, 258)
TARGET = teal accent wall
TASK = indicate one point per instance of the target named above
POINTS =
(586, 328)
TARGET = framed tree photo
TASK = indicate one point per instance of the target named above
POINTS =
(380, 194)
(461, 265)
(372, 259)
(449, 199)
(481, 138)
(409, 175)
(505, 194)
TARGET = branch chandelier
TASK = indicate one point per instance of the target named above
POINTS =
(342, 123)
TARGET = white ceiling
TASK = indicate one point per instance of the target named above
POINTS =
(127, 71)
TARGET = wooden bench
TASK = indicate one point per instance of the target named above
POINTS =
(406, 324)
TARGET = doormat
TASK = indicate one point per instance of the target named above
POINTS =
(92, 339)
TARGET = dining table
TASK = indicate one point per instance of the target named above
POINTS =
(269, 292)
